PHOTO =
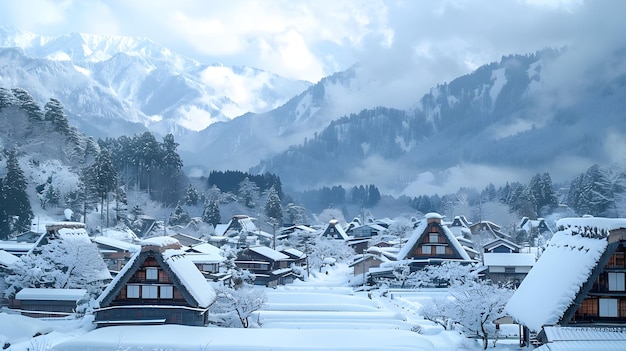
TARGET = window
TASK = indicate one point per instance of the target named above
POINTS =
(167, 292)
(608, 307)
(152, 274)
(132, 291)
(440, 250)
(509, 269)
(426, 250)
(433, 238)
(212, 267)
(149, 292)
(616, 281)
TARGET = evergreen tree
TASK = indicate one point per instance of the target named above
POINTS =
(54, 113)
(28, 104)
(6, 98)
(211, 213)
(191, 196)
(170, 166)
(179, 216)
(14, 189)
(540, 187)
(102, 178)
(295, 214)
(273, 206)
(592, 193)
(5, 229)
(248, 192)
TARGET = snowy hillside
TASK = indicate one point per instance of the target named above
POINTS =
(134, 83)
(508, 119)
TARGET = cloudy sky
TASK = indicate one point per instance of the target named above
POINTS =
(311, 39)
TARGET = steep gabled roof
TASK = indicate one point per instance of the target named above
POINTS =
(333, 225)
(182, 271)
(420, 231)
(569, 263)
(501, 242)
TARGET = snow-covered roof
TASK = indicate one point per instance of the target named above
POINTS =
(50, 294)
(206, 248)
(558, 333)
(294, 252)
(566, 264)
(190, 277)
(220, 229)
(501, 241)
(247, 225)
(269, 253)
(419, 231)
(160, 241)
(509, 259)
(335, 223)
(199, 258)
(115, 243)
(7, 259)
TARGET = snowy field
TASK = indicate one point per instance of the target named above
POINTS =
(321, 314)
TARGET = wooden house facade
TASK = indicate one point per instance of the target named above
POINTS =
(432, 243)
(159, 285)
(47, 302)
(584, 266)
(270, 267)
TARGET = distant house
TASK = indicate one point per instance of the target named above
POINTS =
(492, 230)
(579, 281)
(538, 225)
(47, 302)
(270, 267)
(296, 256)
(460, 227)
(159, 285)
(115, 252)
(432, 243)
(508, 267)
(209, 261)
(187, 240)
(334, 230)
(500, 245)
(367, 230)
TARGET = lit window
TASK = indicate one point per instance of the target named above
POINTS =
(167, 292)
(440, 250)
(132, 291)
(152, 274)
(149, 292)
(426, 250)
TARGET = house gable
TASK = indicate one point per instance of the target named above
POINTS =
(433, 240)
(158, 281)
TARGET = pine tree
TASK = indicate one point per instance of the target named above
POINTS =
(28, 104)
(273, 206)
(14, 189)
(191, 196)
(6, 98)
(5, 229)
(54, 113)
(211, 213)
(102, 179)
(248, 192)
(179, 216)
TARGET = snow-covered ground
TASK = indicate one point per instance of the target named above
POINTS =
(321, 314)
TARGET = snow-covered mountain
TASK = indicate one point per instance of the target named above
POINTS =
(134, 83)
(550, 111)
